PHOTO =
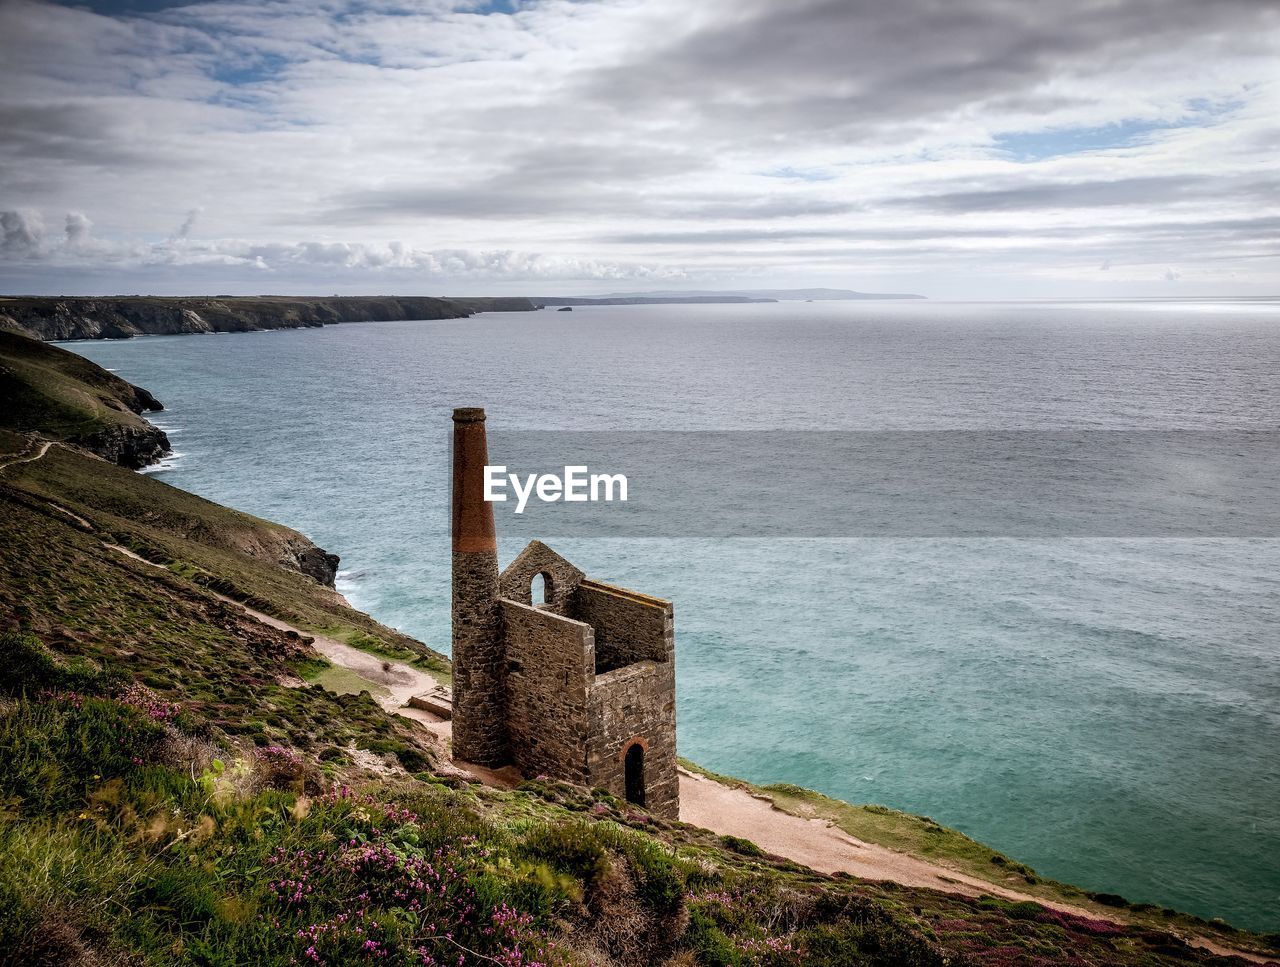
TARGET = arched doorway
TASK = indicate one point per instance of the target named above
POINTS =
(633, 767)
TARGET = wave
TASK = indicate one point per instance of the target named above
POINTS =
(168, 462)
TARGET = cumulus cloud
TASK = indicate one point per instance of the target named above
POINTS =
(23, 234)
(77, 230)
(24, 239)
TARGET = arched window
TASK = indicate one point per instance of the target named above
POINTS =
(633, 766)
(541, 589)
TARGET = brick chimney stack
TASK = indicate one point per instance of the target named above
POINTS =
(479, 697)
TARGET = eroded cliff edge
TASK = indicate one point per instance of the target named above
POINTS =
(119, 317)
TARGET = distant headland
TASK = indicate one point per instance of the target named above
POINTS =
(120, 317)
(678, 297)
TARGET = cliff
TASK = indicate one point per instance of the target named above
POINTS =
(57, 318)
(66, 397)
(57, 395)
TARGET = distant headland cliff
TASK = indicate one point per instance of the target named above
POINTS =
(119, 317)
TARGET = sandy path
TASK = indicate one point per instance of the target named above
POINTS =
(815, 843)
(823, 846)
(398, 681)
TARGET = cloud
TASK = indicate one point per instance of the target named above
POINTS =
(77, 230)
(188, 223)
(24, 240)
(824, 68)
(792, 144)
(23, 234)
(1145, 190)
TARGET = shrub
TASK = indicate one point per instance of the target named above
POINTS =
(1108, 899)
(573, 847)
(55, 750)
(876, 944)
(659, 878)
(708, 943)
(410, 758)
(743, 847)
(280, 768)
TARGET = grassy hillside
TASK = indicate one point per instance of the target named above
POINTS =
(65, 397)
(173, 791)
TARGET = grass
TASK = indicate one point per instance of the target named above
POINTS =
(343, 681)
(204, 543)
(181, 839)
(59, 393)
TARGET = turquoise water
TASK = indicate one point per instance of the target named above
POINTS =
(1107, 711)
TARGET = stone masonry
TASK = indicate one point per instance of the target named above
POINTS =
(579, 686)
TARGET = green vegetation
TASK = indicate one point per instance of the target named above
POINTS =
(343, 681)
(200, 542)
(183, 784)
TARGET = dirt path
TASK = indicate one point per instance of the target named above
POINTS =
(823, 846)
(14, 461)
(397, 682)
(817, 843)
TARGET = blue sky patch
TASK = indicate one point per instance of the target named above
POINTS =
(798, 174)
(1039, 145)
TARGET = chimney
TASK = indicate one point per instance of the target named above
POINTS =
(479, 699)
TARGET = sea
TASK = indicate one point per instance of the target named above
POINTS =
(1103, 707)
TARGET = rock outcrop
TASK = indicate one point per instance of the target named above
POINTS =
(134, 447)
(315, 562)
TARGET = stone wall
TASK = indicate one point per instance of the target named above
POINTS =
(562, 577)
(629, 627)
(479, 689)
(550, 660)
(570, 685)
(636, 704)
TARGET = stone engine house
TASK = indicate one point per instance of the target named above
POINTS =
(579, 686)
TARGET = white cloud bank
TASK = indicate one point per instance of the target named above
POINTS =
(981, 148)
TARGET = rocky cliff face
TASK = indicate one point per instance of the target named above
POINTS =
(134, 447)
(120, 318)
(315, 562)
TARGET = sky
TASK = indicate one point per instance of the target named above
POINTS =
(960, 149)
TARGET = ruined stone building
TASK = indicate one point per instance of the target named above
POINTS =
(577, 686)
